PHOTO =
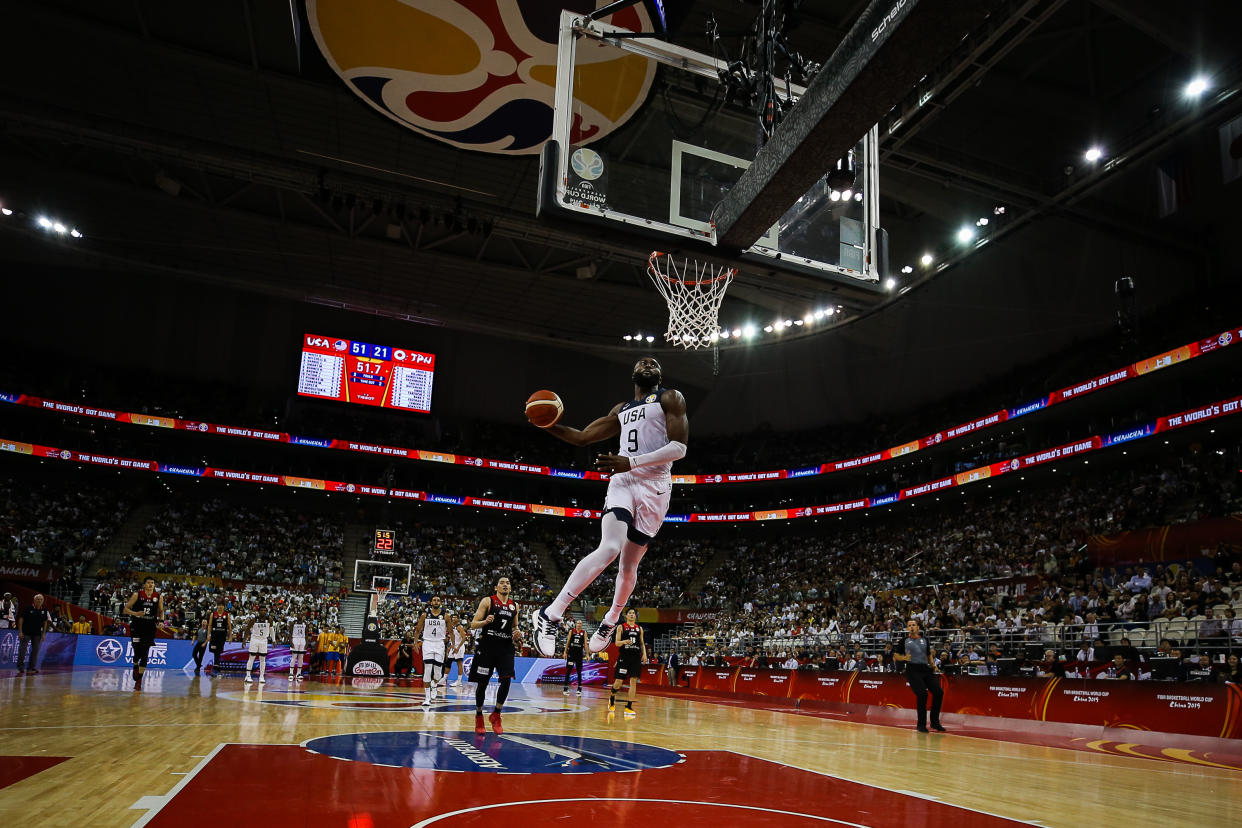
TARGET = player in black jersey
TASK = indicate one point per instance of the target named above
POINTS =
(496, 617)
(145, 608)
(575, 643)
(631, 654)
(220, 630)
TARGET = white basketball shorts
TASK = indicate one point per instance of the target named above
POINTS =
(433, 651)
(645, 498)
(258, 647)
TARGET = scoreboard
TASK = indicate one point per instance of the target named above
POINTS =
(385, 542)
(350, 371)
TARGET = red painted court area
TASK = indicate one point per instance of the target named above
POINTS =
(710, 788)
(16, 768)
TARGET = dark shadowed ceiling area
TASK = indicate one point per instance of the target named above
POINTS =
(212, 141)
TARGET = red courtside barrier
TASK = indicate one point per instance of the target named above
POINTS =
(1199, 709)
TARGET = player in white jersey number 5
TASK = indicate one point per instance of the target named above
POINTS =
(654, 429)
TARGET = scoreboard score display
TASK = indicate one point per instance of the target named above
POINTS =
(358, 372)
(385, 542)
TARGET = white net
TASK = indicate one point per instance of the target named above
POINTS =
(694, 291)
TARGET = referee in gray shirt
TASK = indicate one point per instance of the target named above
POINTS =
(923, 676)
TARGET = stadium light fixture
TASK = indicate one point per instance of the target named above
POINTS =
(44, 222)
(627, 337)
(76, 233)
(907, 269)
(927, 259)
(767, 329)
(858, 196)
(1094, 154)
(847, 194)
(834, 196)
(1196, 87)
(983, 222)
(809, 318)
(650, 338)
(749, 331)
(60, 228)
(738, 332)
(829, 311)
(788, 323)
(965, 234)
(6, 211)
(890, 283)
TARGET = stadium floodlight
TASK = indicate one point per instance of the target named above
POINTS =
(44, 222)
(834, 196)
(1094, 154)
(788, 323)
(965, 234)
(1196, 87)
(60, 228)
(907, 269)
(798, 322)
(926, 259)
(809, 318)
(983, 222)
(829, 311)
(650, 338)
(847, 194)
(627, 337)
(890, 283)
(6, 211)
(858, 196)
(749, 331)
(76, 233)
(737, 332)
(767, 329)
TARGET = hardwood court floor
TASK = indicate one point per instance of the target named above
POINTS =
(84, 749)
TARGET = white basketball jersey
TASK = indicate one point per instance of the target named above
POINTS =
(434, 629)
(299, 632)
(260, 631)
(644, 430)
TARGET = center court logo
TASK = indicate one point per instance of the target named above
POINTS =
(493, 753)
(109, 650)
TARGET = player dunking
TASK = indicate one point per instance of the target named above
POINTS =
(632, 653)
(654, 430)
(575, 643)
(432, 631)
(146, 608)
(497, 617)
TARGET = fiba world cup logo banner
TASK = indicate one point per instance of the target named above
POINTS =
(479, 74)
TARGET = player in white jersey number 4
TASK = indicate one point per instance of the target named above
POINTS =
(654, 429)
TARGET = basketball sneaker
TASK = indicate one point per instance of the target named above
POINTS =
(629, 713)
(497, 725)
(479, 726)
(248, 679)
(602, 637)
(262, 681)
(545, 632)
(565, 692)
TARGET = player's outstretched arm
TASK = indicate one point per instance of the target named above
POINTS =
(601, 429)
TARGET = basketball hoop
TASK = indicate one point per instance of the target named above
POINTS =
(381, 585)
(694, 292)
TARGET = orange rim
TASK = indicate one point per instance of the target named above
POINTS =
(724, 273)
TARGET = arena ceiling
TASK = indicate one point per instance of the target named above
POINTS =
(213, 141)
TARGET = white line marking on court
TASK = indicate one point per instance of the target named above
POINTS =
(161, 801)
(432, 820)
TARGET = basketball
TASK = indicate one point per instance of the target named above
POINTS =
(544, 408)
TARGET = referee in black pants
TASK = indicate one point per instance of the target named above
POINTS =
(923, 676)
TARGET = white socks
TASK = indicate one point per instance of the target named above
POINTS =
(612, 539)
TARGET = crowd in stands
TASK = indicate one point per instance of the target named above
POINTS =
(231, 541)
(58, 527)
